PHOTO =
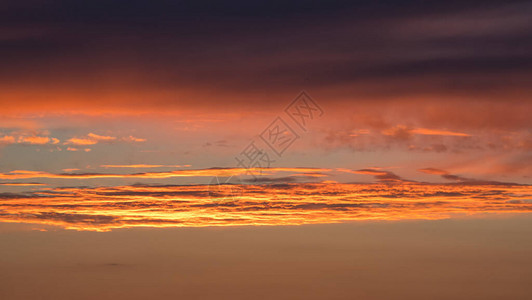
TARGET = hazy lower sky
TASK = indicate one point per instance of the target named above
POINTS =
(483, 258)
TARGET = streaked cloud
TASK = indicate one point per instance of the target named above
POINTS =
(379, 174)
(433, 171)
(92, 139)
(25, 174)
(143, 166)
(430, 51)
(73, 149)
(425, 131)
(458, 178)
(417, 84)
(21, 183)
(107, 208)
(404, 131)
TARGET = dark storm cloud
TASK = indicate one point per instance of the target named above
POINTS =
(374, 48)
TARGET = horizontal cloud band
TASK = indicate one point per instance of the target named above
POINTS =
(106, 208)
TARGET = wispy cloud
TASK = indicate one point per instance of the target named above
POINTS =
(379, 174)
(25, 174)
(22, 183)
(92, 139)
(73, 149)
(425, 131)
(457, 178)
(143, 166)
(133, 139)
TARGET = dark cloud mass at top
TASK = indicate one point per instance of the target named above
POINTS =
(365, 48)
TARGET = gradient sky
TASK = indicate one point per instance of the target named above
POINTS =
(290, 149)
(122, 95)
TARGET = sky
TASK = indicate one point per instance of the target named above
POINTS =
(443, 259)
(136, 103)
(288, 149)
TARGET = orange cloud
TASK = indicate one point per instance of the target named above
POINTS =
(76, 149)
(425, 131)
(81, 141)
(92, 139)
(7, 139)
(381, 175)
(24, 174)
(458, 178)
(37, 140)
(433, 171)
(133, 139)
(101, 137)
(143, 166)
(404, 131)
(107, 208)
(21, 183)
(30, 140)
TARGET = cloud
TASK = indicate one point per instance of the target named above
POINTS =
(509, 163)
(28, 140)
(133, 139)
(101, 137)
(81, 141)
(445, 175)
(381, 175)
(37, 140)
(7, 140)
(425, 131)
(384, 131)
(144, 166)
(376, 51)
(25, 174)
(107, 208)
(76, 149)
(403, 132)
(92, 139)
(461, 179)
(21, 183)
(433, 171)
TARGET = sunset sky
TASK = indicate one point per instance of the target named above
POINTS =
(116, 115)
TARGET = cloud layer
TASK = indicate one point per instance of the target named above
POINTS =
(106, 208)
(190, 55)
